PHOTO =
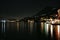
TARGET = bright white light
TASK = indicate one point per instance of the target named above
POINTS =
(46, 28)
(51, 28)
(3, 25)
(3, 20)
(53, 22)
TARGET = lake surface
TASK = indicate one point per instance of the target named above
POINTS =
(27, 31)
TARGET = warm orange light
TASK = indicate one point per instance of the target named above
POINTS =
(57, 32)
(58, 11)
(42, 26)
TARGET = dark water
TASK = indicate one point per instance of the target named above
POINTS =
(22, 31)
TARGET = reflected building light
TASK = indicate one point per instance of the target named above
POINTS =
(59, 32)
(46, 28)
(28, 25)
(31, 26)
(18, 26)
(56, 31)
(42, 26)
(51, 30)
(3, 25)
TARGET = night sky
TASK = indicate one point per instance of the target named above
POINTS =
(24, 8)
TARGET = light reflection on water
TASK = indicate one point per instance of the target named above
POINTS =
(18, 27)
(46, 28)
(57, 29)
(51, 28)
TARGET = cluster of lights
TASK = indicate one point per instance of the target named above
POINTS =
(48, 25)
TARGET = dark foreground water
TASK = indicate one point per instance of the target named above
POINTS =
(22, 36)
